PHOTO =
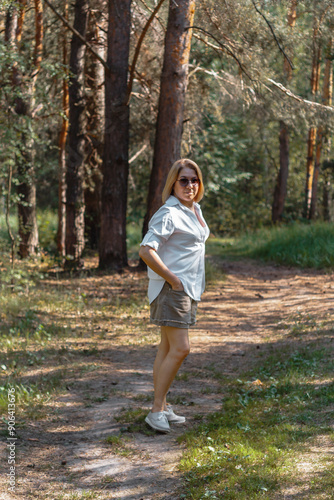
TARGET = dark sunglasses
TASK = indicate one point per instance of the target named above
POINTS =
(184, 182)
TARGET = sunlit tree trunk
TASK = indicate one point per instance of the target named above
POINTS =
(311, 141)
(112, 247)
(75, 206)
(321, 135)
(282, 178)
(28, 231)
(62, 150)
(174, 79)
(312, 134)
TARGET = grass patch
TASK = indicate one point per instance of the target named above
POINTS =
(300, 245)
(133, 420)
(118, 445)
(78, 495)
(269, 416)
(31, 398)
(131, 415)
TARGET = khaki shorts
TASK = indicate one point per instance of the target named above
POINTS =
(173, 308)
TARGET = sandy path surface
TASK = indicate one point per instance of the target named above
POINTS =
(239, 320)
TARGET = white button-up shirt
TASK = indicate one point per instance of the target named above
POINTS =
(179, 239)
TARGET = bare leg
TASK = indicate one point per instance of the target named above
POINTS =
(163, 350)
(173, 349)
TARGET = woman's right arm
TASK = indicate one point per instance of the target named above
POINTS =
(152, 259)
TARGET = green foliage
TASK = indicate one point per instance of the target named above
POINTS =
(301, 245)
(47, 221)
(134, 237)
(29, 119)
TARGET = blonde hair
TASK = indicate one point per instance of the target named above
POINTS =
(173, 175)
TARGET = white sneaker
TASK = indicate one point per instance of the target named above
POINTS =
(172, 417)
(158, 421)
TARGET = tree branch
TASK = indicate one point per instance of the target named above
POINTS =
(135, 156)
(88, 45)
(298, 98)
(138, 47)
(222, 47)
(272, 30)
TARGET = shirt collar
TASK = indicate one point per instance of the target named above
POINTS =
(172, 201)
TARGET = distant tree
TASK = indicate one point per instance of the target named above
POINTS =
(112, 247)
(62, 147)
(327, 204)
(11, 25)
(282, 178)
(322, 133)
(76, 155)
(312, 134)
(173, 86)
(25, 110)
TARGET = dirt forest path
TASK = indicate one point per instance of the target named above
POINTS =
(237, 323)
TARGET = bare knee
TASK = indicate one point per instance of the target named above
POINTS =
(181, 352)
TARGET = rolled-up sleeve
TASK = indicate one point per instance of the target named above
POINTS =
(160, 228)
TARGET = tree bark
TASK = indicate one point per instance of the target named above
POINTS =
(173, 86)
(282, 180)
(11, 24)
(327, 100)
(62, 151)
(312, 134)
(327, 197)
(112, 249)
(292, 16)
(95, 127)
(311, 142)
(75, 206)
(28, 231)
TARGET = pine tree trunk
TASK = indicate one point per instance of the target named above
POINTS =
(173, 86)
(28, 231)
(312, 134)
(95, 127)
(327, 198)
(112, 248)
(282, 180)
(316, 168)
(311, 142)
(11, 24)
(327, 99)
(75, 206)
(62, 152)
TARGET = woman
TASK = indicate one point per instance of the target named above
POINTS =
(173, 250)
